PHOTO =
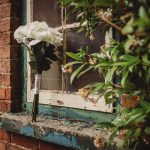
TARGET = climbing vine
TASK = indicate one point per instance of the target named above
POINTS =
(124, 62)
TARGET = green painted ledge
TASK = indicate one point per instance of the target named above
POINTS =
(72, 113)
(73, 134)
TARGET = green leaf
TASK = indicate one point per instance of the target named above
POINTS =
(128, 44)
(147, 130)
(130, 58)
(110, 100)
(142, 12)
(103, 3)
(98, 88)
(137, 132)
(110, 74)
(73, 56)
(145, 59)
(127, 29)
(76, 72)
(121, 64)
(85, 71)
(72, 63)
(111, 137)
(103, 64)
(124, 77)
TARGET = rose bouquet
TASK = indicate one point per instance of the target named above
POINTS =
(40, 40)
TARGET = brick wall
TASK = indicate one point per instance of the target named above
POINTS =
(10, 56)
(10, 79)
(12, 141)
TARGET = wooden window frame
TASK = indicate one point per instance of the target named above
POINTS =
(61, 98)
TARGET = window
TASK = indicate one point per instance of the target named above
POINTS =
(55, 87)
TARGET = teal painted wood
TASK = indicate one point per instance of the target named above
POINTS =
(56, 131)
(23, 57)
(71, 113)
(21, 124)
(54, 111)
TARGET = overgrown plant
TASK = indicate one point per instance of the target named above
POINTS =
(124, 63)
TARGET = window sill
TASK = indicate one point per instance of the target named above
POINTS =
(74, 134)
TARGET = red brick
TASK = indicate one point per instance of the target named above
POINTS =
(9, 24)
(12, 146)
(5, 66)
(13, 79)
(2, 93)
(8, 93)
(5, 24)
(9, 66)
(4, 135)
(5, 10)
(3, 145)
(5, 1)
(4, 52)
(1, 76)
(6, 80)
(27, 142)
(7, 51)
(5, 38)
(51, 146)
(5, 106)
(13, 94)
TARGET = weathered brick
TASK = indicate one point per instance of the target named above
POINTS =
(3, 145)
(12, 146)
(5, 24)
(5, 106)
(5, 66)
(9, 66)
(13, 94)
(27, 142)
(10, 51)
(4, 135)
(11, 79)
(5, 1)
(9, 24)
(5, 38)
(4, 52)
(6, 80)
(1, 76)
(5, 10)
(2, 93)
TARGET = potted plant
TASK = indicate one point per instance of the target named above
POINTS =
(124, 63)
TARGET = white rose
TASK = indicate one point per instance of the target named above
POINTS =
(37, 32)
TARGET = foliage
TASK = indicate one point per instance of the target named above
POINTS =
(124, 62)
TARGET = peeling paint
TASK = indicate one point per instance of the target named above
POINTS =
(27, 130)
(62, 139)
(80, 136)
(70, 113)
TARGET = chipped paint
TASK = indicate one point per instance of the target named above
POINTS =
(62, 139)
(72, 114)
(27, 130)
(79, 137)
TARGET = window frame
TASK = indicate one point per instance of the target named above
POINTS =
(61, 98)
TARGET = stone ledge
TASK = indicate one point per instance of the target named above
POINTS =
(78, 135)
